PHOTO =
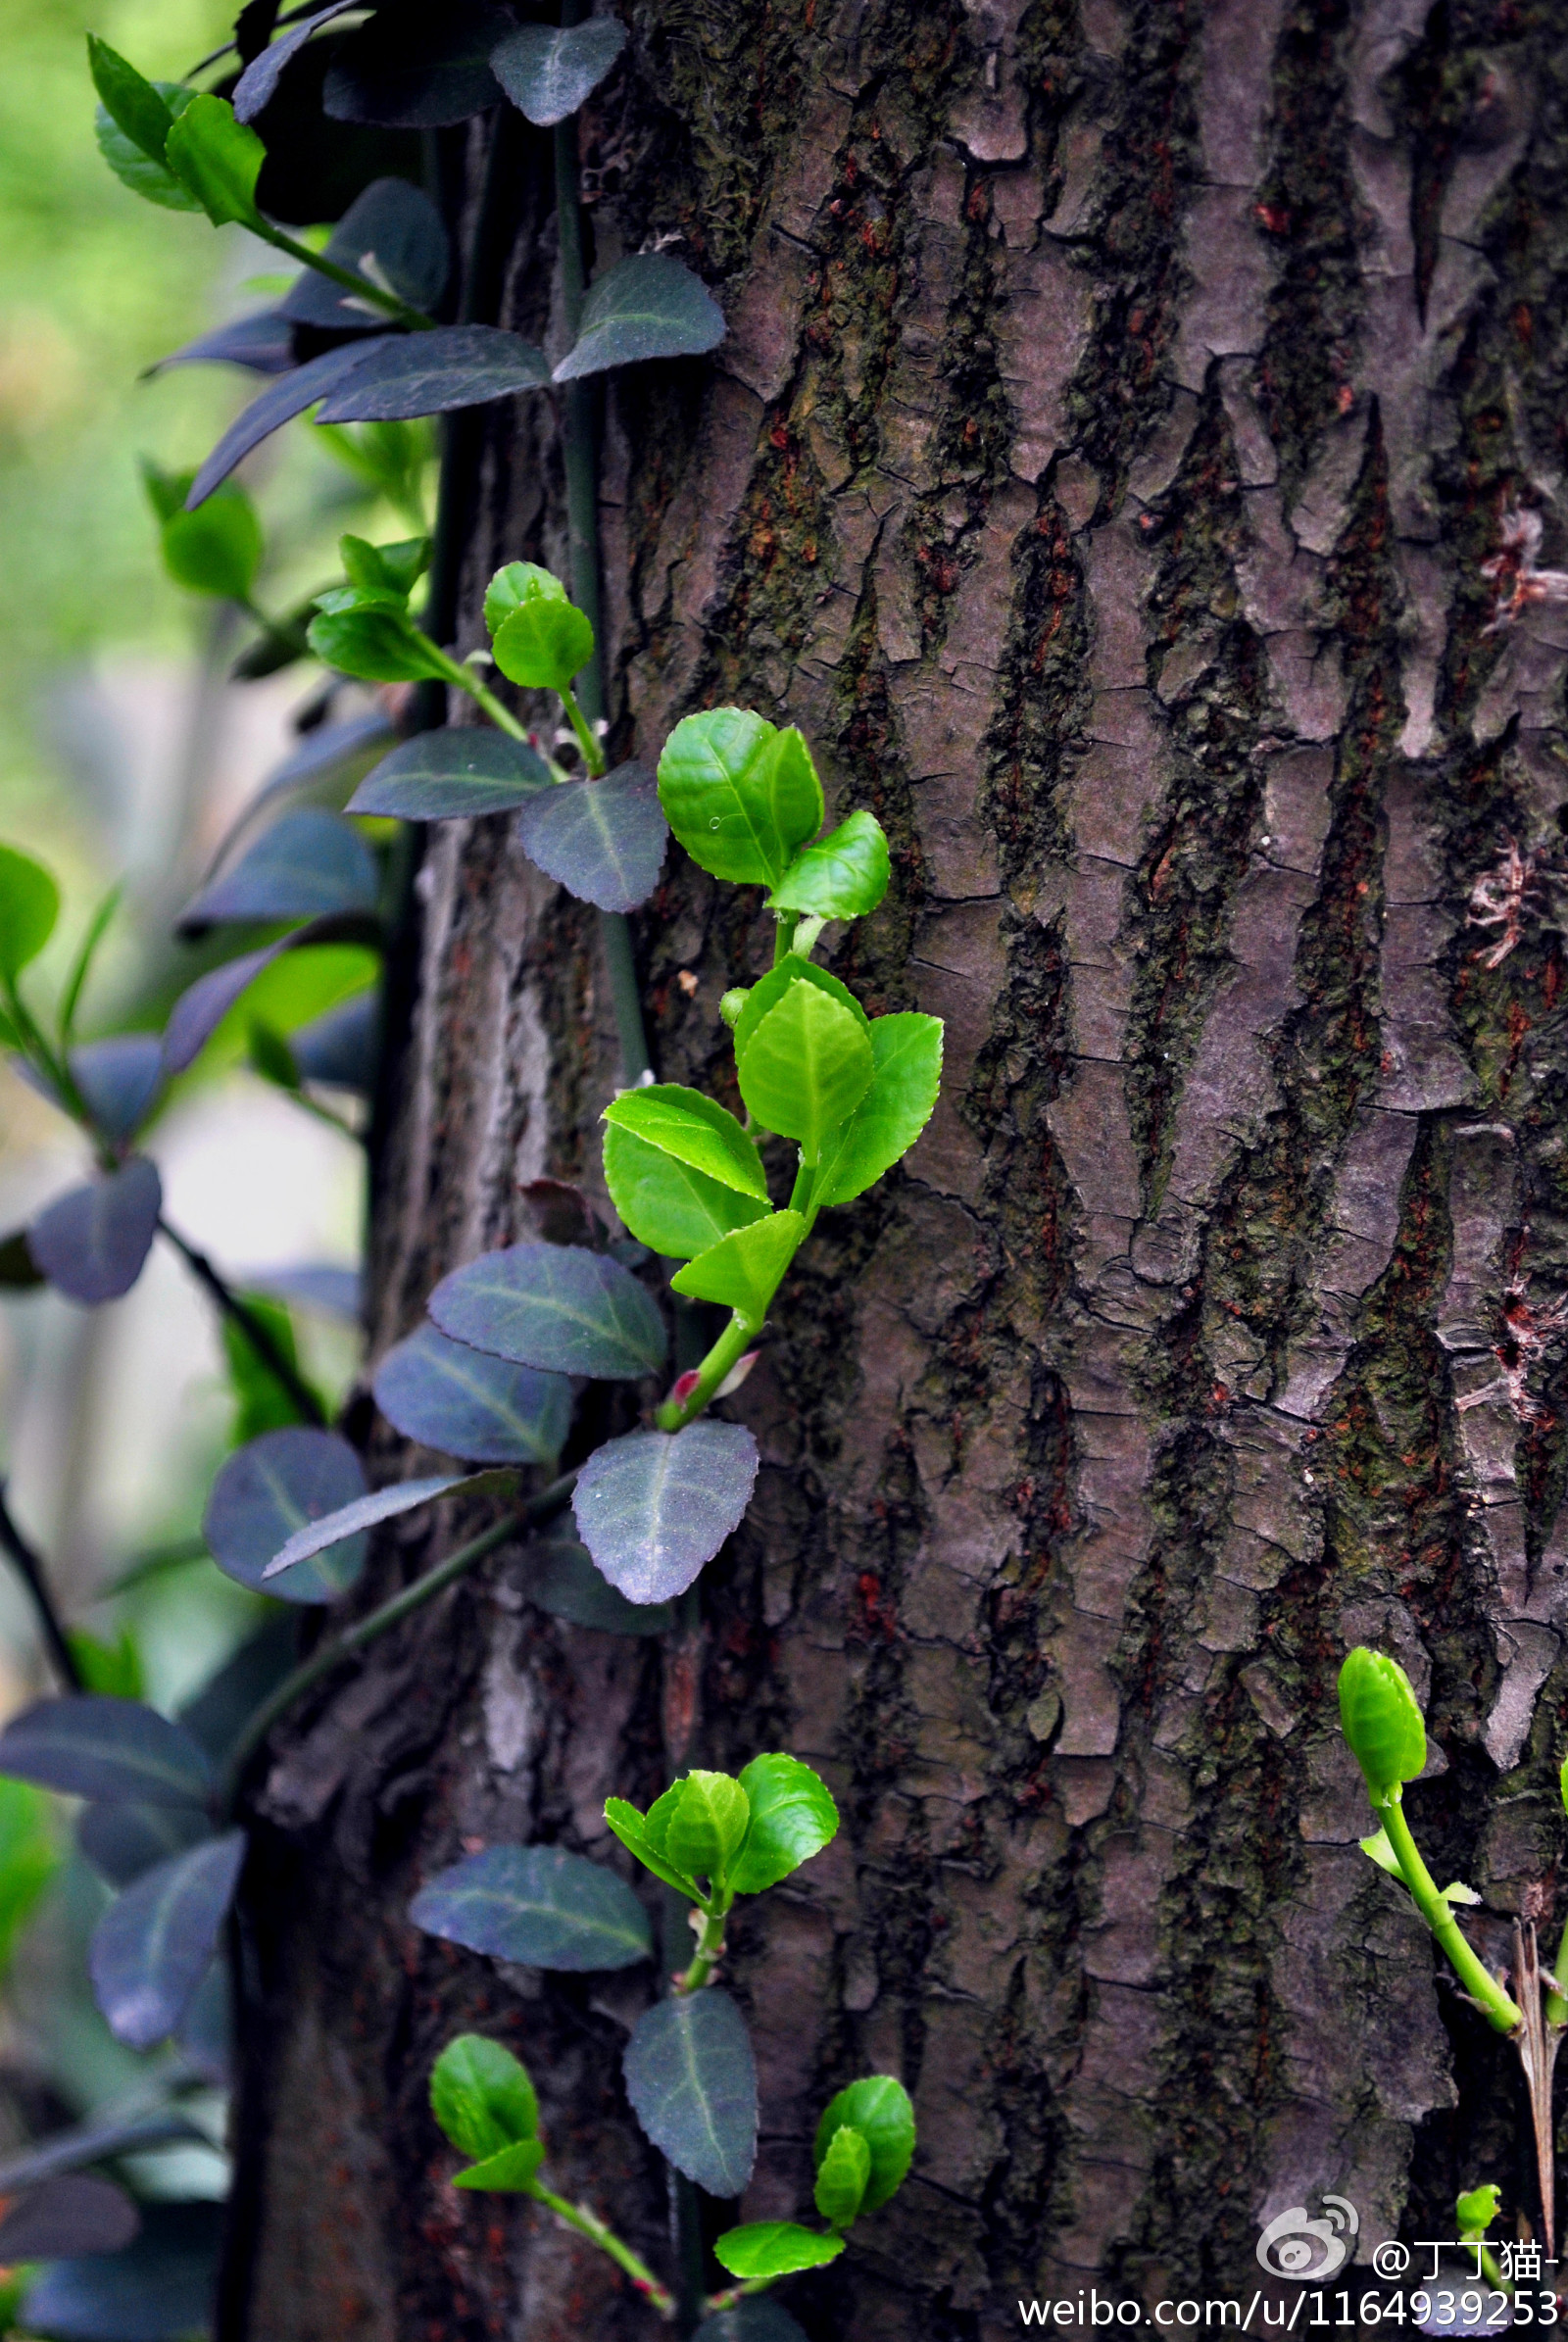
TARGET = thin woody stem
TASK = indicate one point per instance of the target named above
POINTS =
(255, 1332)
(30, 1568)
(587, 2223)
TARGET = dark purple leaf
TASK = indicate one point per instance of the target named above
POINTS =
(201, 1008)
(392, 234)
(289, 396)
(308, 864)
(257, 82)
(431, 373)
(461, 769)
(160, 2289)
(93, 2142)
(417, 68)
(119, 1079)
(559, 1577)
(465, 1403)
(262, 343)
(538, 1905)
(692, 2081)
(217, 1713)
(385, 1504)
(75, 2214)
(121, 1841)
(273, 1486)
(557, 1308)
(562, 1215)
(547, 73)
(206, 2031)
(114, 1749)
(653, 1507)
(650, 306)
(152, 1946)
(92, 1245)
(603, 840)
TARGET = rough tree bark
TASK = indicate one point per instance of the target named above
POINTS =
(1119, 404)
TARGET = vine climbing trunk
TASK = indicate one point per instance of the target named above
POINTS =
(1121, 407)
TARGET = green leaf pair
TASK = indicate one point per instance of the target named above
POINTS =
(745, 800)
(173, 146)
(541, 639)
(363, 628)
(687, 1181)
(484, 2101)
(863, 2148)
(741, 1835)
(29, 906)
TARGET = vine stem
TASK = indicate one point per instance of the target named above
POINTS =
(390, 1613)
(587, 2223)
(392, 305)
(582, 464)
(30, 1570)
(709, 1953)
(257, 1335)
(1477, 1979)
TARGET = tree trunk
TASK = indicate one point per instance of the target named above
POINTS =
(1119, 404)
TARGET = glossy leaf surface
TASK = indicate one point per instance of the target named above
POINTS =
(705, 1828)
(538, 1905)
(290, 395)
(774, 2249)
(547, 72)
(433, 373)
(216, 549)
(368, 1512)
(907, 1075)
(468, 1404)
(806, 1066)
(509, 2170)
(767, 993)
(664, 1202)
(843, 876)
(482, 2097)
(558, 1308)
(650, 306)
(543, 643)
(257, 83)
(1381, 1720)
(152, 1947)
(308, 864)
(274, 1487)
(145, 174)
(692, 2081)
(136, 106)
(603, 840)
(843, 2176)
(92, 1242)
(631, 1827)
(653, 1507)
(114, 1749)
(376, 644)
(695, 1130)
(218, 159)
(879, 2108)
(445, 775)
(740, 795)
(742, 1271)
(793, 1817)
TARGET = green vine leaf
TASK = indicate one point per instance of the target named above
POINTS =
(543, 643)
(742, 1271)
(707, 1826)
(907, 1075)
(767, 992)
(807, 1067)
(483, 2096)
(631, 1827)
(511, 2170)
(29, 906)
(793, 1817)
(740, 795)
(376, 641)
(668, 1205)
(843, 876)
(879, 2108)
(695, 1130)
(218, 159)
(769, 2249)
(842, 2176)
(1381, 1721)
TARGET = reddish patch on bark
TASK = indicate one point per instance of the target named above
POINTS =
(873, 1618)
